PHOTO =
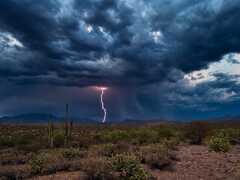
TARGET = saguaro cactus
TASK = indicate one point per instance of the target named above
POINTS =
(50, 134)
(70, 130)
(67, 127)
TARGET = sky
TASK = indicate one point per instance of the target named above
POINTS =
(172, 59)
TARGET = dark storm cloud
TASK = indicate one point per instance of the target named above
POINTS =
(49, 48)
(104, 42)
(178, 100)
(30, 22)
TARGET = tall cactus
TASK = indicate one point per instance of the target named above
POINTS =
(66, 134)
(66, 126)
(51, 134)
(70, 131)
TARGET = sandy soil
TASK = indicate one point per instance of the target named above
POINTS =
(194, 163)
(197, 163)
(63, 176)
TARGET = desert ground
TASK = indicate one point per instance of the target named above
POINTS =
(164, 151)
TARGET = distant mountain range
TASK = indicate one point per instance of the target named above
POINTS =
(39, 118)
(27, 118)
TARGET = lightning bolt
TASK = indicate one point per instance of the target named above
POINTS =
(103, 89)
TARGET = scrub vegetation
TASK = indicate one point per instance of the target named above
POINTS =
(114, 151)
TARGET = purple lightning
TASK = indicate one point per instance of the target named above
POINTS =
(103, 89)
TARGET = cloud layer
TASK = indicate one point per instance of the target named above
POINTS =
(143, 44)
(113, 42)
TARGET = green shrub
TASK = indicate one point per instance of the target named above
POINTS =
(219, 144)
(6, 141)
(107, 150)
(97, 168)
(129, 167)
(232, 134)
(84, 141)
(115, 136)
(48, 162)
(110, 150)
(27, 143)
(122, 147)
(156, 156)
(32, 147)
(72, 153)
(167, 132)
(144, 136)
(58, 138)
(171, 143)
(24, 140)
(37, 163)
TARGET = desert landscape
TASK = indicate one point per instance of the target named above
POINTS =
(119, 89)
(164, 151)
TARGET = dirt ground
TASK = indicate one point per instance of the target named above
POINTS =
(63, 176)
(194, 163)
(197, 163)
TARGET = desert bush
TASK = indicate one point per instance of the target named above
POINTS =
(72, 153)
(6, 141)
(23, 140)
(144, 136)
(232, 134)
(110, 150)
(219, 143)
(167, 132)
(122, 147)
(115, 136)
(83, 141)
(156, 156)
(97, 168)
(29, 143)
(107, 150)
(129, 167)
(37, 163)
(31, 147)
(196, 132)
(48, 161)
(58, 138)
(97, 150)
(171, 143)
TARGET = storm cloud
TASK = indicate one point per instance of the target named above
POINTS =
(147, 45)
